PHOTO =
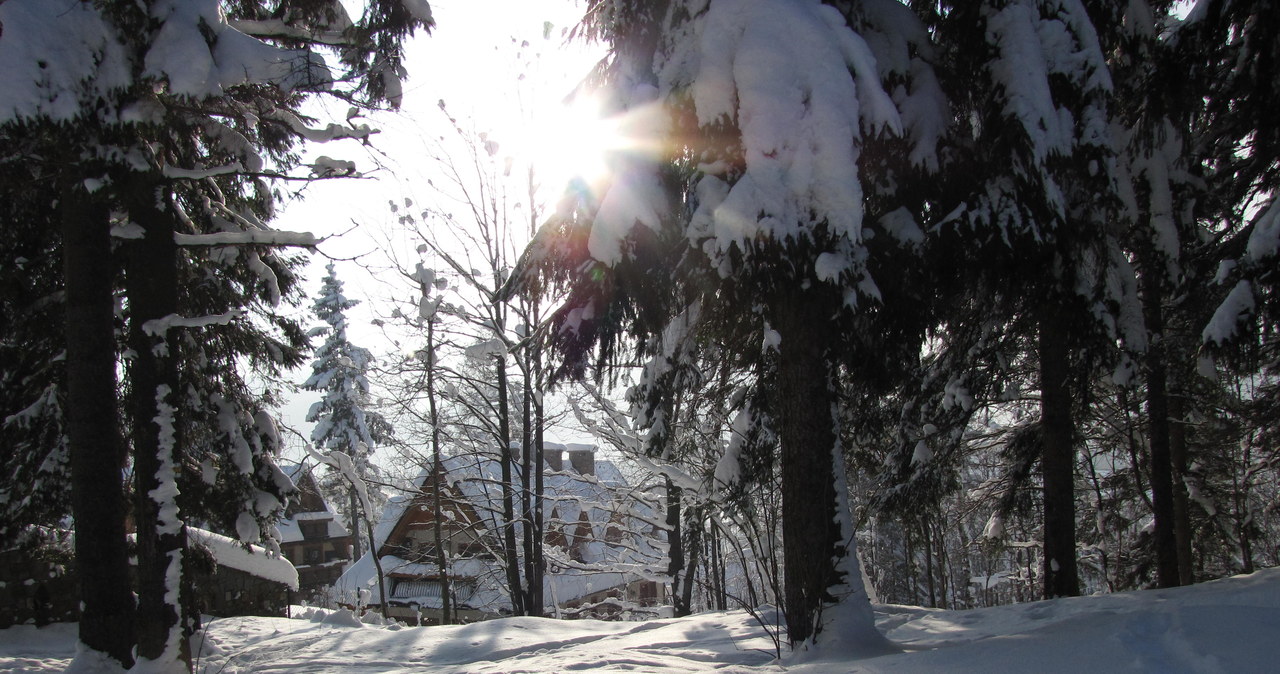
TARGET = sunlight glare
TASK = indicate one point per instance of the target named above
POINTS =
(573, 142)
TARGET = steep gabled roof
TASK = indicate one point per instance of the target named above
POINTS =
(592, 501)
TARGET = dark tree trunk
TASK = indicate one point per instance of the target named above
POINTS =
(694, 526)
(526, 490)
(718, 591)
(377, 563)
(353, 507)
(810, 533)
(675, 547)
(93, 434)
(1181, 499)
(1057, 459)
(442, 553)
(508, 507)
(537, 521)
(151, 284)
(944, 564)
(913, 585)
(926, 540)
(1158, 434)
(1240, 488)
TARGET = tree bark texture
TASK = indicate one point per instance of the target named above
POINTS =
(693, 524)
(1158, 437)
(151, 285)
(675, 548)
(806, 430)
(526, 492)
(1181, 499)
(353, 506)
(93, 433)
(508, 507)
(1057, 459)
(377, 562)
(538, 521)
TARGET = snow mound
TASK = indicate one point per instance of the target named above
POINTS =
(343, 618)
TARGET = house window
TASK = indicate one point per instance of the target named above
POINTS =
(313, 555)
(416, 590)
(422, 591)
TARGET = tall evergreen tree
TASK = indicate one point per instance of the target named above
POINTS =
(752, 224)
(164, 112)
(1031, 230)
(342, 419)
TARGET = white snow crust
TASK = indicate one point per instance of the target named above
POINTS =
(256, 560)
(1235, 309)
(54, 73)
(1222, 626)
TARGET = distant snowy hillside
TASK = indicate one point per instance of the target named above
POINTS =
(1230, 625)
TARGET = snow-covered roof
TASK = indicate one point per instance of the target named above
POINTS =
(290, 531)
(391, 513)
(255, 561)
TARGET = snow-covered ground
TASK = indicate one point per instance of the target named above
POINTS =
(1228, 626)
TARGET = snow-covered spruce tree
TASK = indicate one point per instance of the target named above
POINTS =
(1161, 198)
(1136, 182)
(342, 418)
(1224, 47)
(163, 111)
(33, 448)
(1033, 226)
(1168, 215)
(1223, 57)
(41, 139)
(753, 208)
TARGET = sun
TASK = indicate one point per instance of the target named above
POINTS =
(573, 142)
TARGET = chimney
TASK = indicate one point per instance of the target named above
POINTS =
(583, 460)
(554, 457)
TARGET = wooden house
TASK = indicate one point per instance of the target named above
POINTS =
(599, 542)
(311, 536)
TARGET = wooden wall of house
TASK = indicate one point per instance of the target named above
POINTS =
(38, 587)
(229, 592)
(41, 586)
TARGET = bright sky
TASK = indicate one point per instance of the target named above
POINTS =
(472, 61)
